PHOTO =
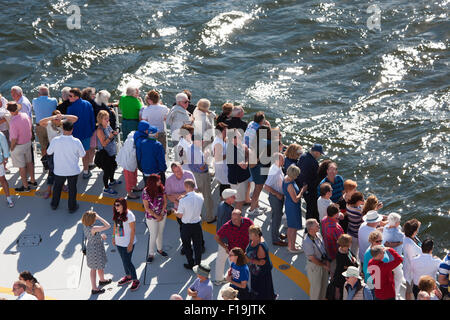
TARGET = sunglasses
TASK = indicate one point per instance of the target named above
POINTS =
(117, 205)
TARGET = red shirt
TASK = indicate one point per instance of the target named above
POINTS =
(331, 231)
(235, 236)
(384, 278)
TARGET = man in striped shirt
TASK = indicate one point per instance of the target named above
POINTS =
(331, 231)
(444, 271)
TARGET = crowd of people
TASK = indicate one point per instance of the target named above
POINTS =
(353, 252)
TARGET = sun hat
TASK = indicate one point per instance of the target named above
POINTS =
(228, 193)
(352, 272)
(317, 147)
(229, 293)
(202, 270)
(372, 216)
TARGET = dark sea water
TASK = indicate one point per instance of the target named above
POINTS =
(377, 99)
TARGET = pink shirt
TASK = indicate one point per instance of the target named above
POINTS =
(20, 128)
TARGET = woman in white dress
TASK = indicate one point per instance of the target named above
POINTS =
(219, 147)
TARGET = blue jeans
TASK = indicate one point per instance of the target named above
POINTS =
(128, 266)
(277, 213)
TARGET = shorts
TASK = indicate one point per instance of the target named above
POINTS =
(241, 189)
(257, 177)
(41, 133)
(86, 143)
(21, 155)
(2, 170)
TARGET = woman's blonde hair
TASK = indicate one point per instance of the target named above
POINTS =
(256, 230)
(294, 151)
(88, 218)
(293, 171)
(102, 114)
(203, 104)
(374, 235)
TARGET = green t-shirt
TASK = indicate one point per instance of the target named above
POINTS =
(130, 107)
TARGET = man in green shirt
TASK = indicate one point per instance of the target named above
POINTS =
(130, 105)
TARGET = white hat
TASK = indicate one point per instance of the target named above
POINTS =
(228, 193)
(352, 272)
(372, 216)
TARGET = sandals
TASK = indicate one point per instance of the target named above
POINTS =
(104, 283)
(98, 291)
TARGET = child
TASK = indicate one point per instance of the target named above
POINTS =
(324, 200)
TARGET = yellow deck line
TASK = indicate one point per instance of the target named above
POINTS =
(292, 273)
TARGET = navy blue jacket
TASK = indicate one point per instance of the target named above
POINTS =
(308, 172)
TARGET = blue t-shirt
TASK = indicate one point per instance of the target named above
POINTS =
(85, 126)
(239, 273)
(204, 289)
(43, 107)
(394, 235)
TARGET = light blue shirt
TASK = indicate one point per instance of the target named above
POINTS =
(4, 148)
(394, 235)
(204, 289)
(43, 107)
(26, 106)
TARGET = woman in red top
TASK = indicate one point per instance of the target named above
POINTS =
(155, 203)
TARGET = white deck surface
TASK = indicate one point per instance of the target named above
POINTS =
(60, 267)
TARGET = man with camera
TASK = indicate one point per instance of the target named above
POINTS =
(318, 263)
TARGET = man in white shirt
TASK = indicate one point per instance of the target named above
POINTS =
(274, 186)
(67, 151)
(424, 265)
(372, 223)
(190, 211)
(19, 289)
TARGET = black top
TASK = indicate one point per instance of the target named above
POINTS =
(237, 123)
(235, 173)
(62, 107)
(342, 261)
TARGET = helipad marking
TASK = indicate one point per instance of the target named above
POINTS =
(299, 278)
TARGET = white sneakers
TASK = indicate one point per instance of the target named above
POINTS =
(10, 203)
(257, 211)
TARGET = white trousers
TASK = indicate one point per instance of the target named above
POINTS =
(398, 278)
(221, 259)
(156, 230)
(355, 247)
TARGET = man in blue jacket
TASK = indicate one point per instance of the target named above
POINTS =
(150, 153)
(308, 176)
(84, 128)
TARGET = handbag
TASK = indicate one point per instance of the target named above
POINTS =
(100, 157)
